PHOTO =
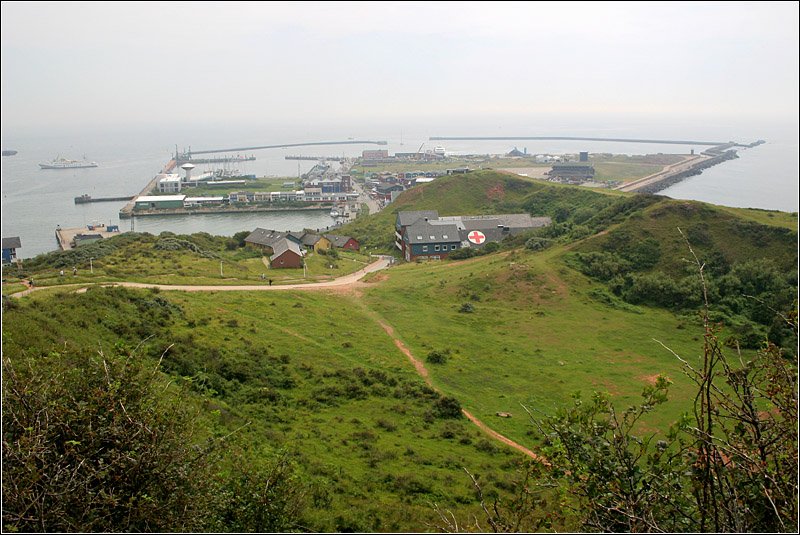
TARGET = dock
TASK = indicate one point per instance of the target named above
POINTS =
(317, 158)
(66, 236)
(84, 199)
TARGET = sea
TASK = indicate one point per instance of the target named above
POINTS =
(35, 201)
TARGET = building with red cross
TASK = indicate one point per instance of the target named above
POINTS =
(424, 234)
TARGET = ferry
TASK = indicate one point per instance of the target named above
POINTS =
(438, 150)
(64, 163)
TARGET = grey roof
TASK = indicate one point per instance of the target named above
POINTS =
(481, 222)
(283, 245)
(493, 234)
(12, 243)
(408, 218)
(309, 239)
(265, 237)
(338, 241)
(425, 232)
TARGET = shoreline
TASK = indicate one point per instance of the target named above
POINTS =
(215, 210)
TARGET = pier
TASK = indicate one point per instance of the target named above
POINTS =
(570, 138)
(228, 159)
(66, 236)
(83, 199)
(188, 154)
(317, 158)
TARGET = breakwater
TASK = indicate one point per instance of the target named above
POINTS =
(672, 179)
(83, 199)
(572, 138)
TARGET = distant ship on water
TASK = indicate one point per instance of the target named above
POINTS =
(64, 163)
(9, 152)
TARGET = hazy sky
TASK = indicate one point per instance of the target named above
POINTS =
(110, 63)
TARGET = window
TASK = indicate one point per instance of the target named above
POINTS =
(444, 236)
(433, 237)
(424, 248)
(435, 247)
(419, 237)
(452, 247)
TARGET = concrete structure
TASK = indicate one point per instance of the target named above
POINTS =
(188, 168)
(425, 234)
(374, 154)
(572, 171)
(190, 202)
(169, 183)
(83, 239)
(149, 202)
(10, 246)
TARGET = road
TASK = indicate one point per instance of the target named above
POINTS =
(665, 173)
(344, 282)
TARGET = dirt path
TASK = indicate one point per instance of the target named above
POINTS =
(423, 372)
(347, 282)
(344, 282)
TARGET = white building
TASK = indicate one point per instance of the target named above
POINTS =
(169, 183)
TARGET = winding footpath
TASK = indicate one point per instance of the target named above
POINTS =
(344, 282)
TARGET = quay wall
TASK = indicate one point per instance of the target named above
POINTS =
(216, 210)
(670, 180)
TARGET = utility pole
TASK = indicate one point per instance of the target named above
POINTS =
(220, 269)
(91, 267)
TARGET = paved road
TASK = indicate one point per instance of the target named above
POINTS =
(666, 172)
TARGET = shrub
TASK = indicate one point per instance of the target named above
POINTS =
(438, 357)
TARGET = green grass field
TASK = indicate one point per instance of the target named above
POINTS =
(315, 373)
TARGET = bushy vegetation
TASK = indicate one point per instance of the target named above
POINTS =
(101, 442)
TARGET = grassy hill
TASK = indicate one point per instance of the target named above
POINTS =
(317, 375)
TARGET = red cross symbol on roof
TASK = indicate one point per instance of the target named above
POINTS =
(476, 236)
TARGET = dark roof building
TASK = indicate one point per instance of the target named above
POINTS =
(10, 246)
(287, 254)
(424, 233)
(572, 171)
(343, 242)
(264, 239)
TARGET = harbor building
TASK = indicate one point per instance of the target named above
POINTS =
(148, 202)
(169, 183)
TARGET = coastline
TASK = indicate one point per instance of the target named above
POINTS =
(216, 210)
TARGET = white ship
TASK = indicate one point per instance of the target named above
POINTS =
(64, 163)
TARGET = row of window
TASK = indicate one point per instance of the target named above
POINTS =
(436, 248)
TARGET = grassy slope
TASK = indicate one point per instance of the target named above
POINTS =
(737, 238)
(136, 258)
(330, 387)
(535, 336)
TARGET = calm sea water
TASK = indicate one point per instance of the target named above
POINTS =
(35, 201)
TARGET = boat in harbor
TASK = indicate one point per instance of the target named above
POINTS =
(65, 163)
(9, 152)
(334, 212)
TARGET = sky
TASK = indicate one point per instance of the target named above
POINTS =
(131, 63)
